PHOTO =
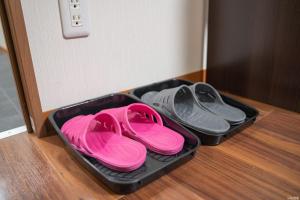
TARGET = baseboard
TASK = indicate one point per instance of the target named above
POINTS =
(194, 77)
(198, 76)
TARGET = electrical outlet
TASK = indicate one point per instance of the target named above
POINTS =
(74, 18)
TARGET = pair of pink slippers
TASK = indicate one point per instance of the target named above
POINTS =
(118, 137)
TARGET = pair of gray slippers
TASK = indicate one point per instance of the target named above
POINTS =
(198, 106)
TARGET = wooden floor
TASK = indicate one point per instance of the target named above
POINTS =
(262, 162)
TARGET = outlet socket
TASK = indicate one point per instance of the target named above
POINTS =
(74, 18)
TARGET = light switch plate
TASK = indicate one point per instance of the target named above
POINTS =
(74, 18)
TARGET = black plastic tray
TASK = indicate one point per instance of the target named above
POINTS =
(155, 166)
(206, 138)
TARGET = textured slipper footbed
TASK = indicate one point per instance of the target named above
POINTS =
(209, 98)
(180, 104)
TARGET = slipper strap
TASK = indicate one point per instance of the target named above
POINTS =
(77, 133)
(166, 99)
(122, 114)
(207, 88)
(144, 110)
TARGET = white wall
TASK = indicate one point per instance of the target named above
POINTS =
(132, 43)
(2, 39)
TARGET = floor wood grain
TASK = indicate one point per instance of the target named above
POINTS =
(262, 162)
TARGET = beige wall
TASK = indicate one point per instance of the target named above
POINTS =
(132, 43)
(2, 39)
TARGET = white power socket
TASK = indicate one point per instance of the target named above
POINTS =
(74, 18)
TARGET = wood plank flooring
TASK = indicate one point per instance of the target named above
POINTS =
(262, 162)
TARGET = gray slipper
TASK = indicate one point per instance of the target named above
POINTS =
(208, 97)
(180, 104)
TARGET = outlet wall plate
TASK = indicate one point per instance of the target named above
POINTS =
(74, 18)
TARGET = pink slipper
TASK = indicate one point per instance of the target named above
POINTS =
(145, 125)
(99, 136)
